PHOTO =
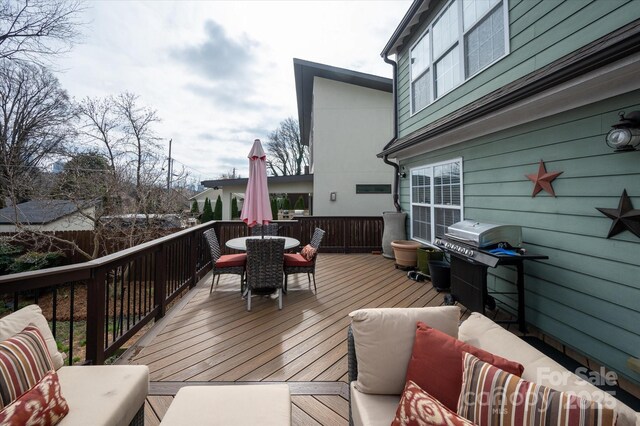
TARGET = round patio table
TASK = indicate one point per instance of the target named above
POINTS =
(241, 243)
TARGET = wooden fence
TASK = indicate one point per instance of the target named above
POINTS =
(128, 289)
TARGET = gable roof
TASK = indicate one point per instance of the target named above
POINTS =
(608, 49)
(306, 71)
(37, 212)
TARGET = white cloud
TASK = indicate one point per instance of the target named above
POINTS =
(219, 73)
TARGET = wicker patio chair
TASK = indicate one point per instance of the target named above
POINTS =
(297, 264)
(265, 259)
(269, 229)
(224, 264)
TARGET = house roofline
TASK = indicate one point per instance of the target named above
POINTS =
(221, 183)
(610, 48)
(306, 71)
(405, 28)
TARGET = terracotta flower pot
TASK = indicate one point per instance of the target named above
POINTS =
(405, 252)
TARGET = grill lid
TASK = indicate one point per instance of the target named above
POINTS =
(485, 234)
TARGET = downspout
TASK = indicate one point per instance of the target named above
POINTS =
(385, 158)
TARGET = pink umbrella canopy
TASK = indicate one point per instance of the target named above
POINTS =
(257, 208)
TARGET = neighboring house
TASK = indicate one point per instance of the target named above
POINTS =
(345, 117)
(48, 215)
(485, 90)
(210, 193)
(292, 185)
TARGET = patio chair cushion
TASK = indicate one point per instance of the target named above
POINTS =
(384, 342)
(444, 382)
(480, 331)
(491, 396)
(308, 252)
(24, 361)
(103, 394)
(371, 409)
(231, 260)
(418, 407)
(31, 315)
(42, 404)
(296, 259)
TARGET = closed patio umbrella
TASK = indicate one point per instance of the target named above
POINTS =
(257, 208)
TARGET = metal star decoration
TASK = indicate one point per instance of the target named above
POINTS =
(542, 180)
(624, 217)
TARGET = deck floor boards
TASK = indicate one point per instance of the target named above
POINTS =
(212, 338)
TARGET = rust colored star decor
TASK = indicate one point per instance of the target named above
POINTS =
(624, 217)
(542, 180)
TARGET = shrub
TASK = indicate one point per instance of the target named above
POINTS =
(195, 210)
(217, 211)
(234, 208)
(207, 212)
(33, 261)
(286, 205)
(299, 204)
(274, 208)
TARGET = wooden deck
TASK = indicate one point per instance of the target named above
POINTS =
(212, 338)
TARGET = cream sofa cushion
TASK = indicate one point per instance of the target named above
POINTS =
(368, 409)
(15, 322)
(227, 405)
(480, 331)
(384, 342)
(103, 395)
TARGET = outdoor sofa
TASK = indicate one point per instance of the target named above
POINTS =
(106, 395)
(380, 344)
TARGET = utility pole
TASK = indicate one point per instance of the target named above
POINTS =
(169, 167)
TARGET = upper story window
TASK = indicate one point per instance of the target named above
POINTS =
(467, 36)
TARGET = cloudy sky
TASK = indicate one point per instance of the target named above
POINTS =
(220, 73)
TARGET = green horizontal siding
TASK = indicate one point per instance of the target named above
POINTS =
(540, 32)
(587, 294)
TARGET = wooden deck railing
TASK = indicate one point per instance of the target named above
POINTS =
(95, 307)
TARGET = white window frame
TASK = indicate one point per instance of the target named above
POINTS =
(461, 51)
(432, 206)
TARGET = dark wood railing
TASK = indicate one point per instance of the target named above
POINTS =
(100, 305)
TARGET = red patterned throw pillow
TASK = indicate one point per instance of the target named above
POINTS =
(42, 405)
(436, 364)
(491, 396)
(417, 407)
(24, 360)
(308, 252)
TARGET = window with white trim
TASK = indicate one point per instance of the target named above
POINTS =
(436, 199)
(466, 37)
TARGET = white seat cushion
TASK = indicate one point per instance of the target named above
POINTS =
(14, 323)
(369, 409)
(480, 331)
(384, 342)
(103, 394)
(229, 405)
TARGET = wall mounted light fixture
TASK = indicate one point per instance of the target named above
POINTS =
(402, 175)
(625, 134)
(333, 196)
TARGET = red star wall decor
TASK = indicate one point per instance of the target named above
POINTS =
(542, 180)
(624, 217)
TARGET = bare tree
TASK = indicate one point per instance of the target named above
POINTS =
(286, 154)
(33, 30)
(35, 115)
(137, 126)
(99, 124)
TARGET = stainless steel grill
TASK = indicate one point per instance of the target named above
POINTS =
(472, 247)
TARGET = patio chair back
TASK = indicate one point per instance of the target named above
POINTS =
(214, 245)
(316, 239)
(265, 267)
(269, 229)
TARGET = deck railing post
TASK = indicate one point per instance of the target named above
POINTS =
(96, 317)
(160, 281)
(193, 257)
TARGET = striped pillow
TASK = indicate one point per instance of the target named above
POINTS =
(491, 396)
(24, 360)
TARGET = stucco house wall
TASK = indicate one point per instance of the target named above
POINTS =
(350, 125)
